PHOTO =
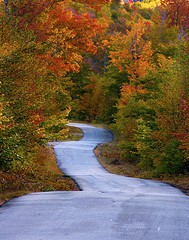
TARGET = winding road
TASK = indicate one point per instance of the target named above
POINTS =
(108, 207)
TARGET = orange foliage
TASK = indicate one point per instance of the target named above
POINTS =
(64, 32)
(128, 91)
(132, 52)
(70, 36)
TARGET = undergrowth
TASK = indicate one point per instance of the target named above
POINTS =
(110, 158)
(38, 175)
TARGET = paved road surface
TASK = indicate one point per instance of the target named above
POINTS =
(109, 207)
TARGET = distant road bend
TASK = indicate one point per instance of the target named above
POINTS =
(108, 207)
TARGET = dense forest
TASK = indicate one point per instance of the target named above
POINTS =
(123, 64)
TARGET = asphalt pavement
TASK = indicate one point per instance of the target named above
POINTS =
(107, 207)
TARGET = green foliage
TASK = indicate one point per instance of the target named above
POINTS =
(170, 159)
(12, 149)
(30, 93)
(129, 152)
(144, 144)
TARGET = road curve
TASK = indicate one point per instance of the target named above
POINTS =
(109, 207)
(77, 159)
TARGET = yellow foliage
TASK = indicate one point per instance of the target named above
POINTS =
(132, 52)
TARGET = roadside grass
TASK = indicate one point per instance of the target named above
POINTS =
(110, 158)
(74, 134)
(39, 175)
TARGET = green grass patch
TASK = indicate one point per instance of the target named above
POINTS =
(74, 134)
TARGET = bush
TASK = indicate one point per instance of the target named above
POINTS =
(171, 159)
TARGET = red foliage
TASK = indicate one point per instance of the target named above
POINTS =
(177, 12)
(65, 33)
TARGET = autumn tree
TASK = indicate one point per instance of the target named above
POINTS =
(145, 128)
(132, 52)
(40, 43)
(177, 13)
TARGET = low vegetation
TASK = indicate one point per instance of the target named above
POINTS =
(110, 158)
(38, 175)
